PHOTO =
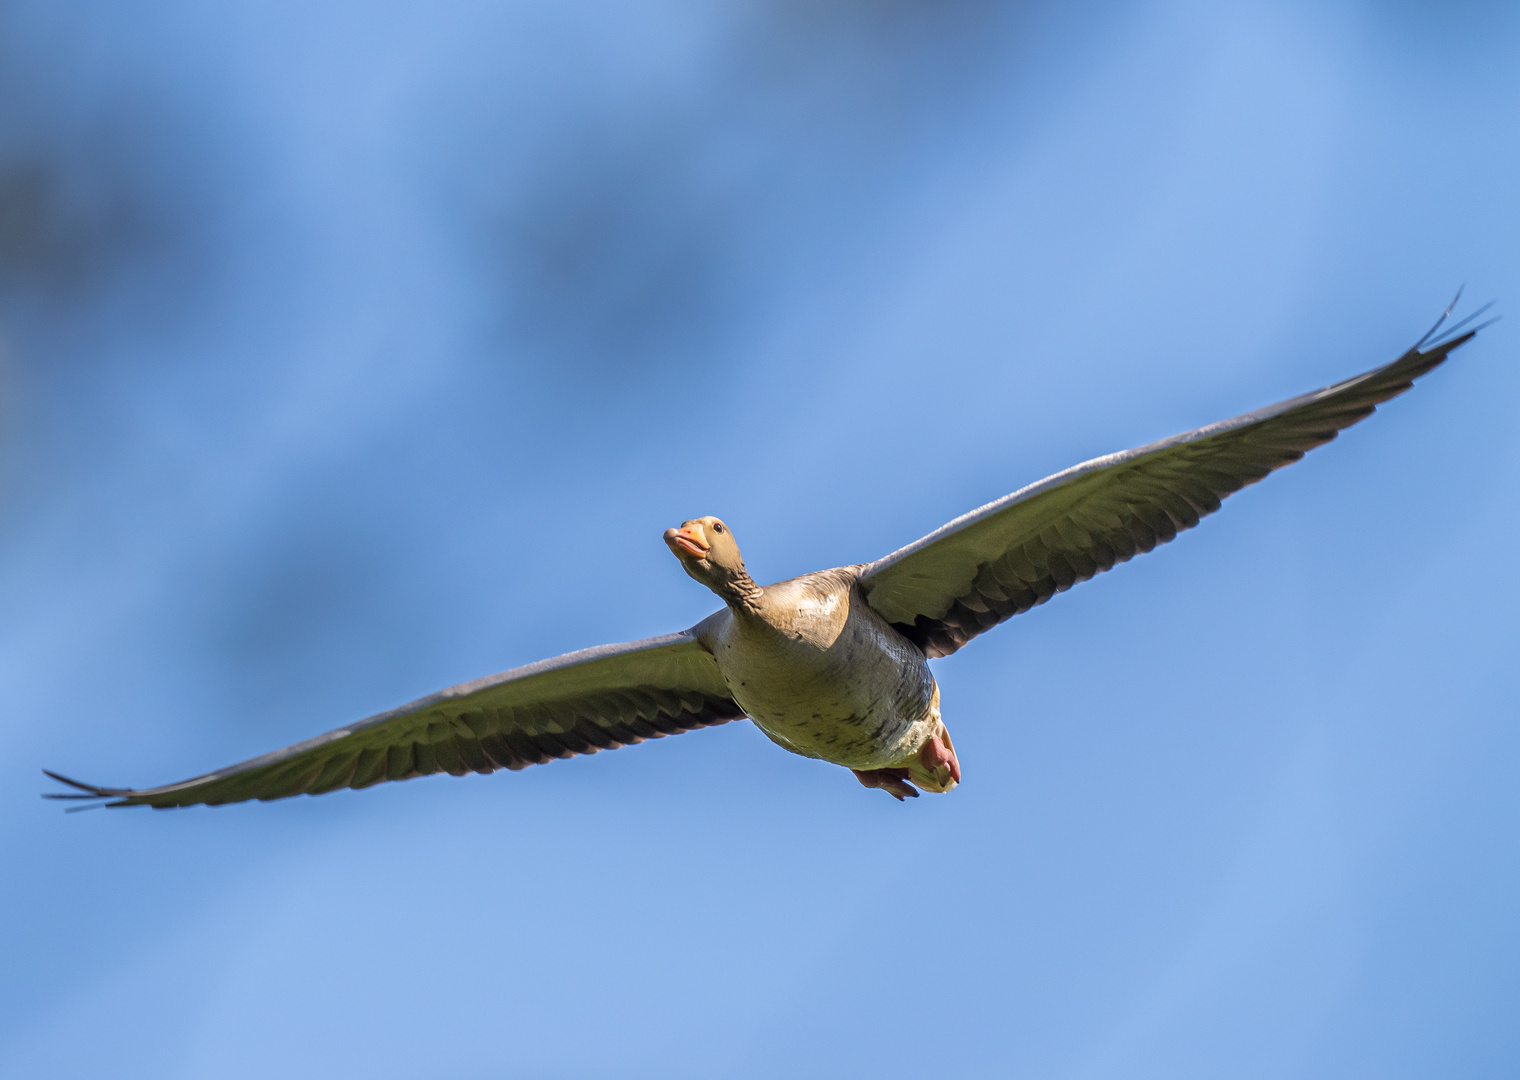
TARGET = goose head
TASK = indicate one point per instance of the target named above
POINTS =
(708, 553)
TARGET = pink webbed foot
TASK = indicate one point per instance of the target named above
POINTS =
(893, 781)
(939, 761)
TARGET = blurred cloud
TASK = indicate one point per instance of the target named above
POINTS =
(639, 234)
(82, 191)
(53, 240)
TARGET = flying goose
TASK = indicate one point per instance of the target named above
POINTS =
(833, 664)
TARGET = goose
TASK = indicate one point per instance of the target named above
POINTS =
(832, 664)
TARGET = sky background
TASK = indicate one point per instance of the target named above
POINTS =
(351, 350)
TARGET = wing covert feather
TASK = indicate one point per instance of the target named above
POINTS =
(579, 703)
(1019, 551)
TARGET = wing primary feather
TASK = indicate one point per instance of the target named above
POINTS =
(598, 737)
(336, 774)
(496, 749)
(401, 761)
(525, 748)
(473, 756)
(425, 759)
(369, 767)
(90, 791)
(446, 756)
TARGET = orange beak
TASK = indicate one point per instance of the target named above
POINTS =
(688, 538)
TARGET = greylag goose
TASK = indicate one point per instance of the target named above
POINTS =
(833, 664)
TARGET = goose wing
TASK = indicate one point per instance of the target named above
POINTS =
(579, 703)
(1010, 555)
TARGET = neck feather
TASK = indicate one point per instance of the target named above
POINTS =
(740, 592)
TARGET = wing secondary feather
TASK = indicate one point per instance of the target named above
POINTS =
(579, 703)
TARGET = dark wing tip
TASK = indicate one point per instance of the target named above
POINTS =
(1437, 339)
(1431, 333)
(87, 792)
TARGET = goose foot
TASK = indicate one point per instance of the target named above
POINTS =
(893, 781)
(939, 761)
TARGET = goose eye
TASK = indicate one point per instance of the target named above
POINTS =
(717, 528)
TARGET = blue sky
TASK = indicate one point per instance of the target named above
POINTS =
(348, 351)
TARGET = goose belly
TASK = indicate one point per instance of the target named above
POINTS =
(864, 699)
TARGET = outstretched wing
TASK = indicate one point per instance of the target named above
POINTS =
(579, 703)
(1012, 554)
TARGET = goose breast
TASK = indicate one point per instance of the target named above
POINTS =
(824, 675)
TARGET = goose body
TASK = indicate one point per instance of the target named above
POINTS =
(833, 664)
(823, 675)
